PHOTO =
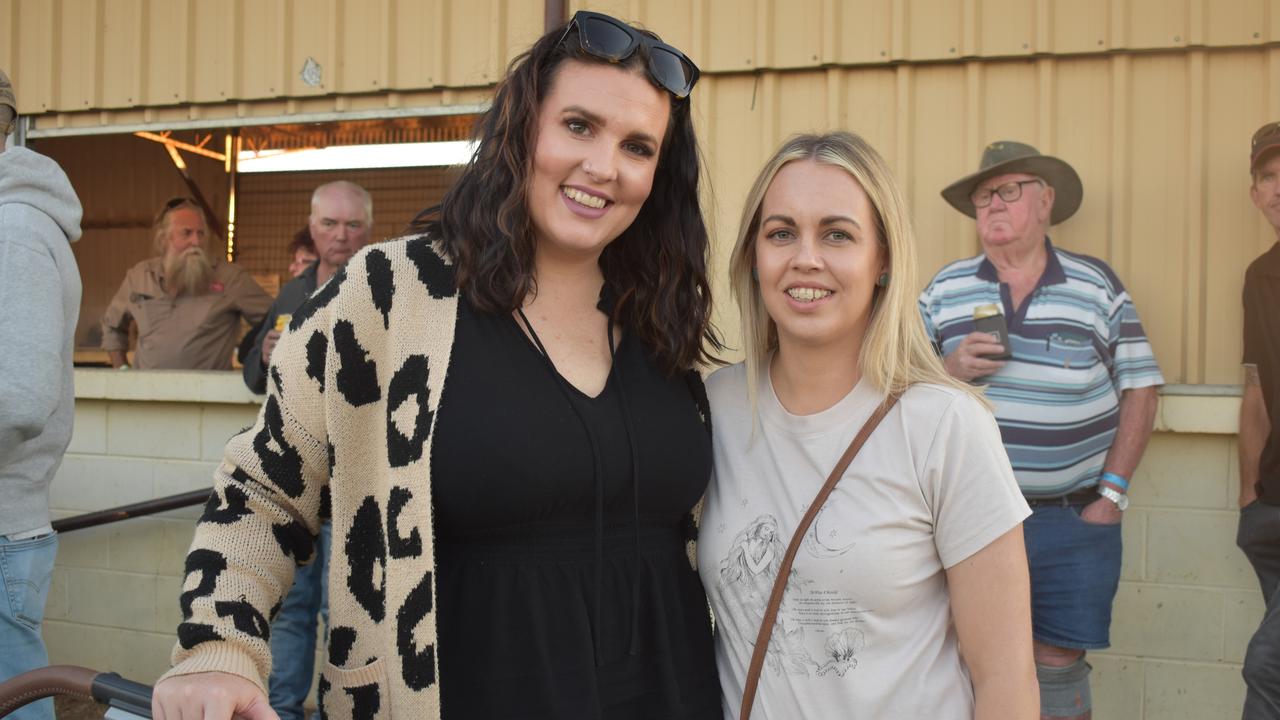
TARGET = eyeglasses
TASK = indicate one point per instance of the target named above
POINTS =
(1008, 192)
(613, 40)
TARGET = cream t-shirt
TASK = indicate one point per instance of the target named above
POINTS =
(865, 627)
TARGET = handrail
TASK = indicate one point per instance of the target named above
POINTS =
(120, 694)
(45, 682)
(138, 509)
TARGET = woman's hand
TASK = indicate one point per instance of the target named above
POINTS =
(211, 696)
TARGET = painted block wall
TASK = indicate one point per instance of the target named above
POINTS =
(1187, 605)
(1188, 600)
(113, 601)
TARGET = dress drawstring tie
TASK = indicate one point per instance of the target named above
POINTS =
(634, 648)
(598, 487)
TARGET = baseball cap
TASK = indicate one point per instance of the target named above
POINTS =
(1266, 139)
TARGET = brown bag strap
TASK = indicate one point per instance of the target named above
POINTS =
(780, 582)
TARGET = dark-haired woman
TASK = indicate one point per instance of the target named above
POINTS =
(501, 416)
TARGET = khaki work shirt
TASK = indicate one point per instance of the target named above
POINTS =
(192, 332)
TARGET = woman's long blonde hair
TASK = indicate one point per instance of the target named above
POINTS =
(895, 351)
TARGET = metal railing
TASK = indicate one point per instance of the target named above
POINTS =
(125, 699)
(138, 509)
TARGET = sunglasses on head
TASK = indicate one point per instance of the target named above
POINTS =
(175, 203)
(613, 40)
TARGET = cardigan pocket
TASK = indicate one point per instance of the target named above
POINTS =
(354, 693)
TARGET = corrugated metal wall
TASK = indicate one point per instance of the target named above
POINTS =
(1153, 101)
(1160, 140)
(72, 55)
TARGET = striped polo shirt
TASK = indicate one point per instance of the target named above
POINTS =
(1076, 343)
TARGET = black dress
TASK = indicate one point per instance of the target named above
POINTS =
(563, 587)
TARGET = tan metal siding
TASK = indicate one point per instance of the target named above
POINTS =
(1151, 100)
(737, 35)
(122, 57)
(71, 55)
(223, 115)
(1081, 26)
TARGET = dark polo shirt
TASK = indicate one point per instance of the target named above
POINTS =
(292, 295)
(1262, 348)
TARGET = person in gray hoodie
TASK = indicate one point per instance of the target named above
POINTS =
(40, 302)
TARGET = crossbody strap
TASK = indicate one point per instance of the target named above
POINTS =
(780, 582)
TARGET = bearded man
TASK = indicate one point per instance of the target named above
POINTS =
(187, 301)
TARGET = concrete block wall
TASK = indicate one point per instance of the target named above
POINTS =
(113, 604)
(1187, 605)
(1188, 600)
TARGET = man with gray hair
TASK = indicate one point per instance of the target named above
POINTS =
(40, 291)
(341, 222)
(1073, 380)
(187, 301)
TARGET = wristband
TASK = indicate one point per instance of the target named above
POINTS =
(1116, 480)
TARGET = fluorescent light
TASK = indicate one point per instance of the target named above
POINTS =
(353, 157)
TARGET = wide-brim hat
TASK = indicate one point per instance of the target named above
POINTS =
(1007, 156)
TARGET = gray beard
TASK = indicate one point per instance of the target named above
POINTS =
(189, 273)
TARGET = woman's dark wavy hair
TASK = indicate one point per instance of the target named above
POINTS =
(656, 269)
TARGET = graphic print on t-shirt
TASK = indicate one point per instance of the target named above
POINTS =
(816, 632)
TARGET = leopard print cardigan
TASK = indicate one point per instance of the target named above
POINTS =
(352, 393)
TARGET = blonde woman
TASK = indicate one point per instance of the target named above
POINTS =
(909, 597)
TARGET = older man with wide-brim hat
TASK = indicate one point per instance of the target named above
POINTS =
(1073, 381)
(1007, 158)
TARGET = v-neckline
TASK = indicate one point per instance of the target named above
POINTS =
(532, 344)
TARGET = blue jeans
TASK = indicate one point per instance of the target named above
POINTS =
(1075, 572)
(26, 568)
(293, 633)
(1259, 537)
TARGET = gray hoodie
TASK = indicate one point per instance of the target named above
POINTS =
(39, 306)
